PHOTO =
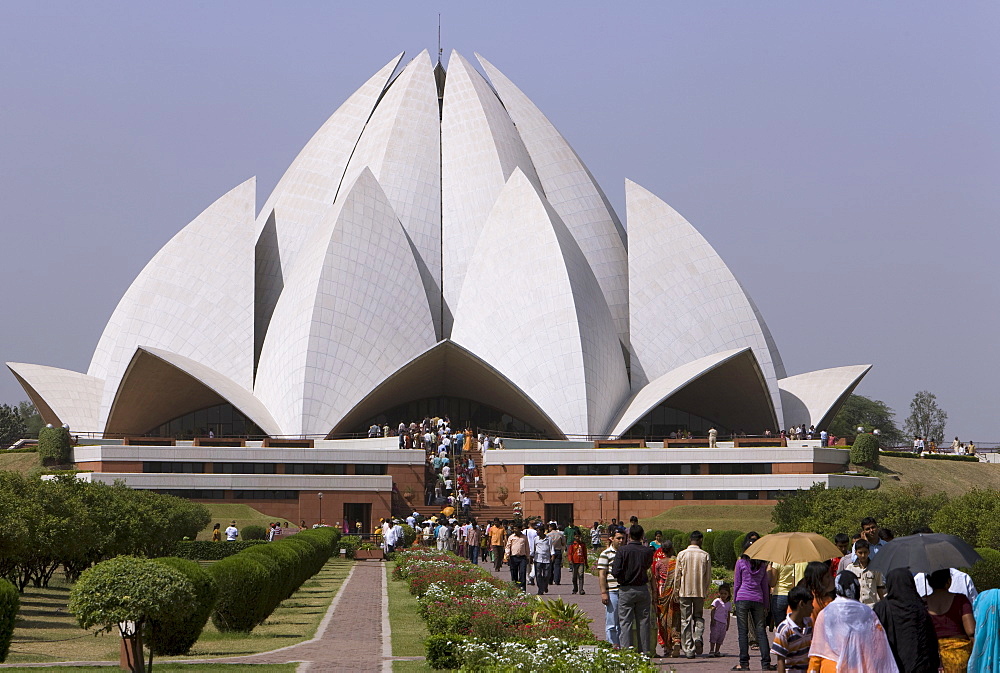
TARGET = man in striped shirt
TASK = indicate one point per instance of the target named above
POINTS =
(793, 636)
(609, 587)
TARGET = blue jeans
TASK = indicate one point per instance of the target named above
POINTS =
(611, 630)
(474, 553)
(557, 567)
(779, 605)
(519, 571)
(755, 610)
(542, 576)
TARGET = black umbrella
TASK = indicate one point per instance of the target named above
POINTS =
(924, 553)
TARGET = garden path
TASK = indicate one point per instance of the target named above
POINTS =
(591, 602)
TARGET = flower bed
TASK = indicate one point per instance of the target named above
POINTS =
(475, 616)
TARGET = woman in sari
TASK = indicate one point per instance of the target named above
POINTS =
(668, 613)
(953, 622)
(847, 636)
(986, 648)
(908, 626)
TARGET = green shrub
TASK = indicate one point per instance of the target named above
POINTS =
(708, 544)
(54, 446)
(441, 651)
(9, 603)
(205, 550)
(947, 456)
(254, 532)
(409, 536)
(681, 540)
(724, 551)
(286, 569)
(986, 573)
(900, 454)
(349, 542)
(177, 633)
(243, 598)
(865, 450)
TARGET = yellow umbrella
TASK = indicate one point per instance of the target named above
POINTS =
(448, 511)
(789, 548)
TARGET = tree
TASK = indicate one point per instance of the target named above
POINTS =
(55, 448)
(860, 411)
(129, 589)
(12, 427)
(926, 418)
(32, 419)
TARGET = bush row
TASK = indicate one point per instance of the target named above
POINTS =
(253, 582)
(9, 603)
(900, 454)
(206, 550)
(176, 633)
(946, 456)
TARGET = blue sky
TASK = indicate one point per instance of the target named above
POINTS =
(843, 159)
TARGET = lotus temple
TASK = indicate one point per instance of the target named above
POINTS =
(438, 248)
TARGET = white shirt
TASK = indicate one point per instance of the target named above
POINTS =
(961, 583)
(232, 533)
(532, 535)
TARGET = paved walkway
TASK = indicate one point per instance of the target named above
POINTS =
(349, 637)
(591, 602)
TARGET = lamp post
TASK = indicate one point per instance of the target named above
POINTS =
(320, 496)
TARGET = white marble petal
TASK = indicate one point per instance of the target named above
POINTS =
(306, 191)
(61, 396)
(533, 309)
(194, 298)
(573, 193)
(684, 302)
(809, 399)
(480, 148)
(650, 395)
(401, 145)
(350, 316)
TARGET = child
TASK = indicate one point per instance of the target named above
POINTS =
(721, 607)
(794, 635)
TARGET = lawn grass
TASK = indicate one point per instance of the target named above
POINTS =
(951, 476)
(243, 515)
(46, 632)
(410, 667)
(18, 462)
(685, 518)
(408, 628)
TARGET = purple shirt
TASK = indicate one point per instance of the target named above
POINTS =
(749, 585)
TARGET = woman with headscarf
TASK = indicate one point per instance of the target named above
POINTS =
(986, 645)
(847, 636)
(953, 622)
(668, 612)
(908, 626)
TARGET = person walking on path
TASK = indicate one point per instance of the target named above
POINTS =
(516, 552)
(497, 542)
(578, 563)
(908, 626)
(668, 611)
(232, 532)
(609, 588)
(693, 574)
(558, 540)
(631, 569)
(541, 555)
(752, 595)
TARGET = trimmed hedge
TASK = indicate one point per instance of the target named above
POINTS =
(179, 633)
(900, 454)
(253, 582)
(206, 550)
(946, 456)
(9, 603)
(865, 450)
(724, 551)
(54, 446)
(708, 544)
(254, 532)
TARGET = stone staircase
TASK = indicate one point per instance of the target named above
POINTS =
(487, 512)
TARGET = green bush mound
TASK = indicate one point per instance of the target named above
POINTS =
(724, 551)
(681, 540)
(949, 456)
(9, 603)
(865, 450)
(177, 633)
(900, 454)
(254, 532)
(54, 446)
(205, 550)
(253, 582)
